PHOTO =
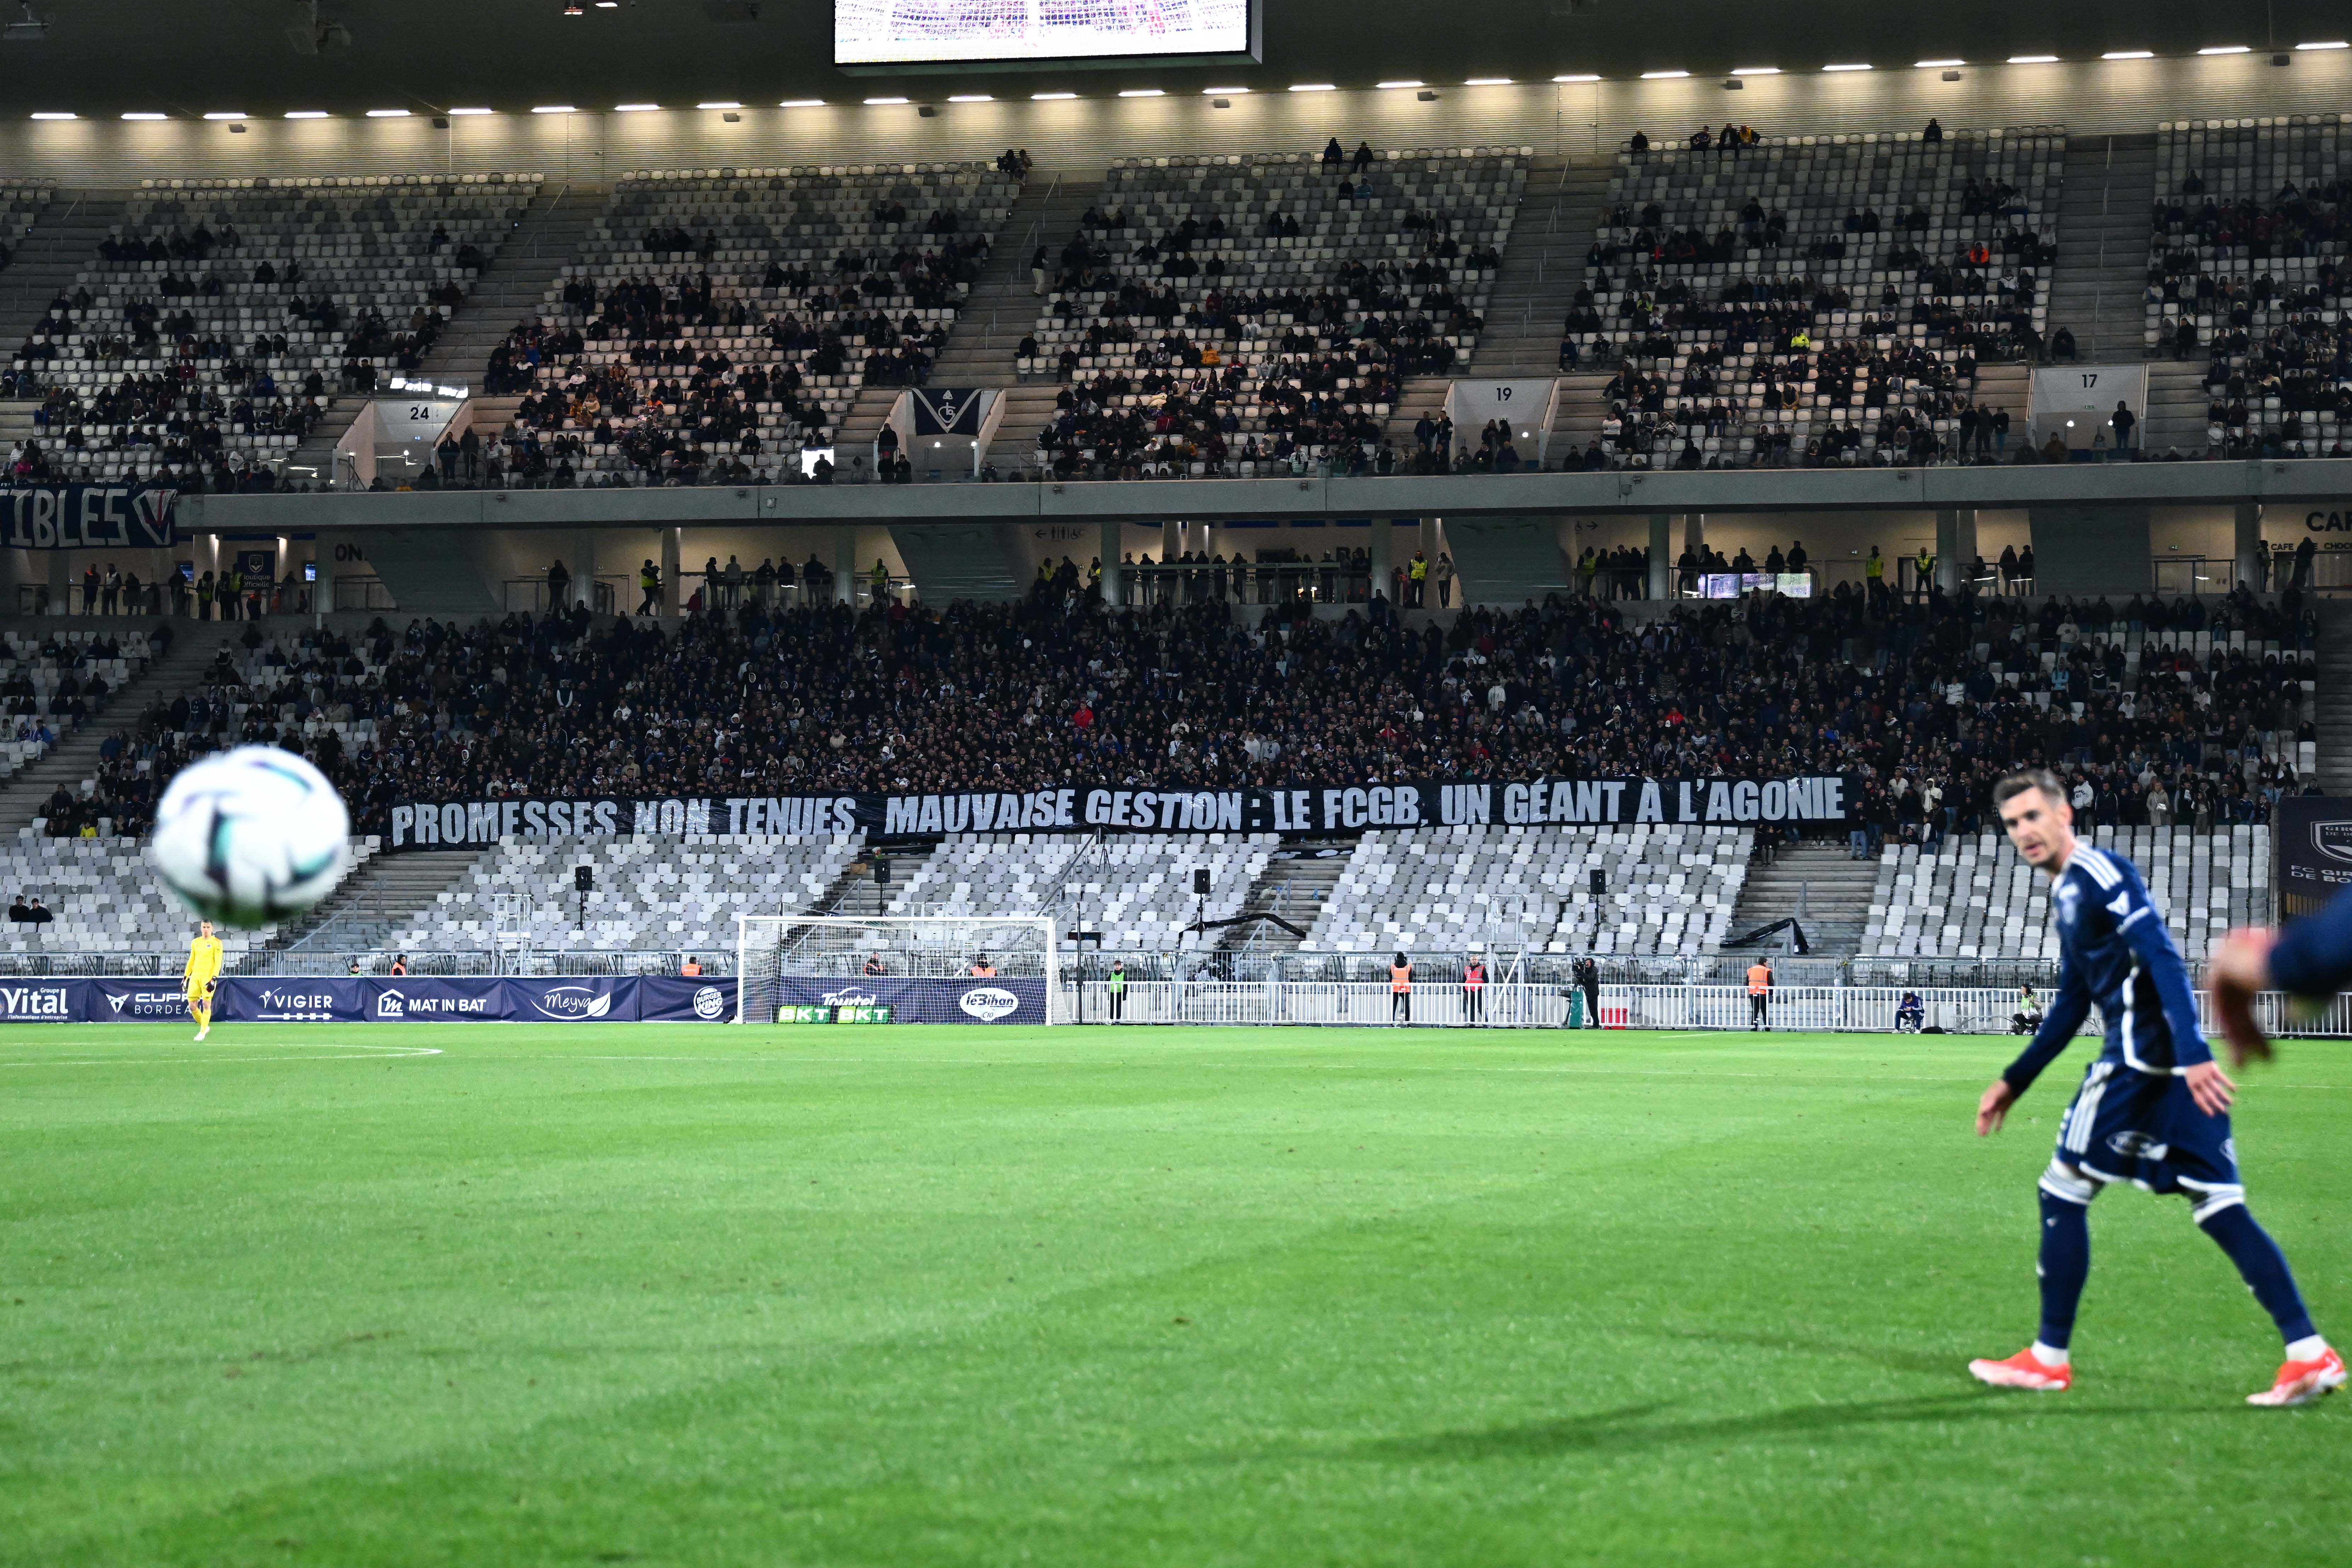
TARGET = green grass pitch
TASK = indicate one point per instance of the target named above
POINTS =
(934, 1296)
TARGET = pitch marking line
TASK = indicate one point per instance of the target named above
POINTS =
(323, 1054)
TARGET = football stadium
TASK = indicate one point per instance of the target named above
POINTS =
(950, 782)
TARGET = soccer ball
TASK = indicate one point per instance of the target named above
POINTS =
(250, 836)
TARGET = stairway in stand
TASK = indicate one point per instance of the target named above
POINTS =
(1543, 266)
(1028, 408)
(74, 758)
(2176, 404)
(853, 441)
(383, 894)
(1820, 885)
(1296, 885)
(65, 238)
(1001, 307)
(2334, 694)
(1419, 395)
(1577, 415)
(545, 238)
(2103, 227)
(526, 269)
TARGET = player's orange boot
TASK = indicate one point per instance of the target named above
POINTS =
(2300, 1382)
(2025, 1370)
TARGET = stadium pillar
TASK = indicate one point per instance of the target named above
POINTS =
(1383, 557)
(1694, 533)
(673, 544)
(1109, 550)
(1172, 541)
(2253, 560)
(1956, 546)
(1662, 554)
(323, 590)
(583, 562)
(2091, 549)
(845, 565)
(61, 582)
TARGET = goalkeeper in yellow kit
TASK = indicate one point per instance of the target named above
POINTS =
(203, 974)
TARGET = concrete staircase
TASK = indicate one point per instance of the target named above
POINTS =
(313, 462)
(1543, 265)
(1001, 309)
(75, 756)
(1419, 395)
(1818, 883)
(1296, 884)
(1027, 410)
(543, 240)
(854, 438)
(65, 238)
(1576, 416)
(854, 892)
(379, 897)
(2103, 228)
(2333, 695)
(2175, 408)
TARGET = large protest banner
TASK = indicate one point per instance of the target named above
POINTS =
(1306, 808)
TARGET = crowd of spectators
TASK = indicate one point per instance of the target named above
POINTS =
(1925, 700)
(714, 349)
(1196, 337)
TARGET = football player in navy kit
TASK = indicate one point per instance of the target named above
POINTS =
(2153, 1110)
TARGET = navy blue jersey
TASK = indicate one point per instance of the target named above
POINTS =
(2113, 950)
(2314, 955)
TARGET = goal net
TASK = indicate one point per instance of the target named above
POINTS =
(896, 969)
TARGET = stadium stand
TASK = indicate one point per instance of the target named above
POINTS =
(719, 323)
(310, 693)
(1136, 889)
(2245, 271)
(1231, 314)
(1817, 299)
(104, 899)
(2211, 699)
(1974, 898)
(650, 893)
(220, 317)
(1666, 889)
(51, 683)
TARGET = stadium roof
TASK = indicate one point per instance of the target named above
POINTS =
(111, 57)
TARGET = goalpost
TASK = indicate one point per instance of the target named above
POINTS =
(898, 969)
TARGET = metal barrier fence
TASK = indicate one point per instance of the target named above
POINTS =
(1976, 1010)
(1510, 963)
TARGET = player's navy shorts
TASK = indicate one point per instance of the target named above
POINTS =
(2126, 1125)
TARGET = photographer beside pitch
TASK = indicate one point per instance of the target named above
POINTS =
(2153, 1111)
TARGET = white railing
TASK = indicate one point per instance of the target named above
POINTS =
(1812, 1008)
